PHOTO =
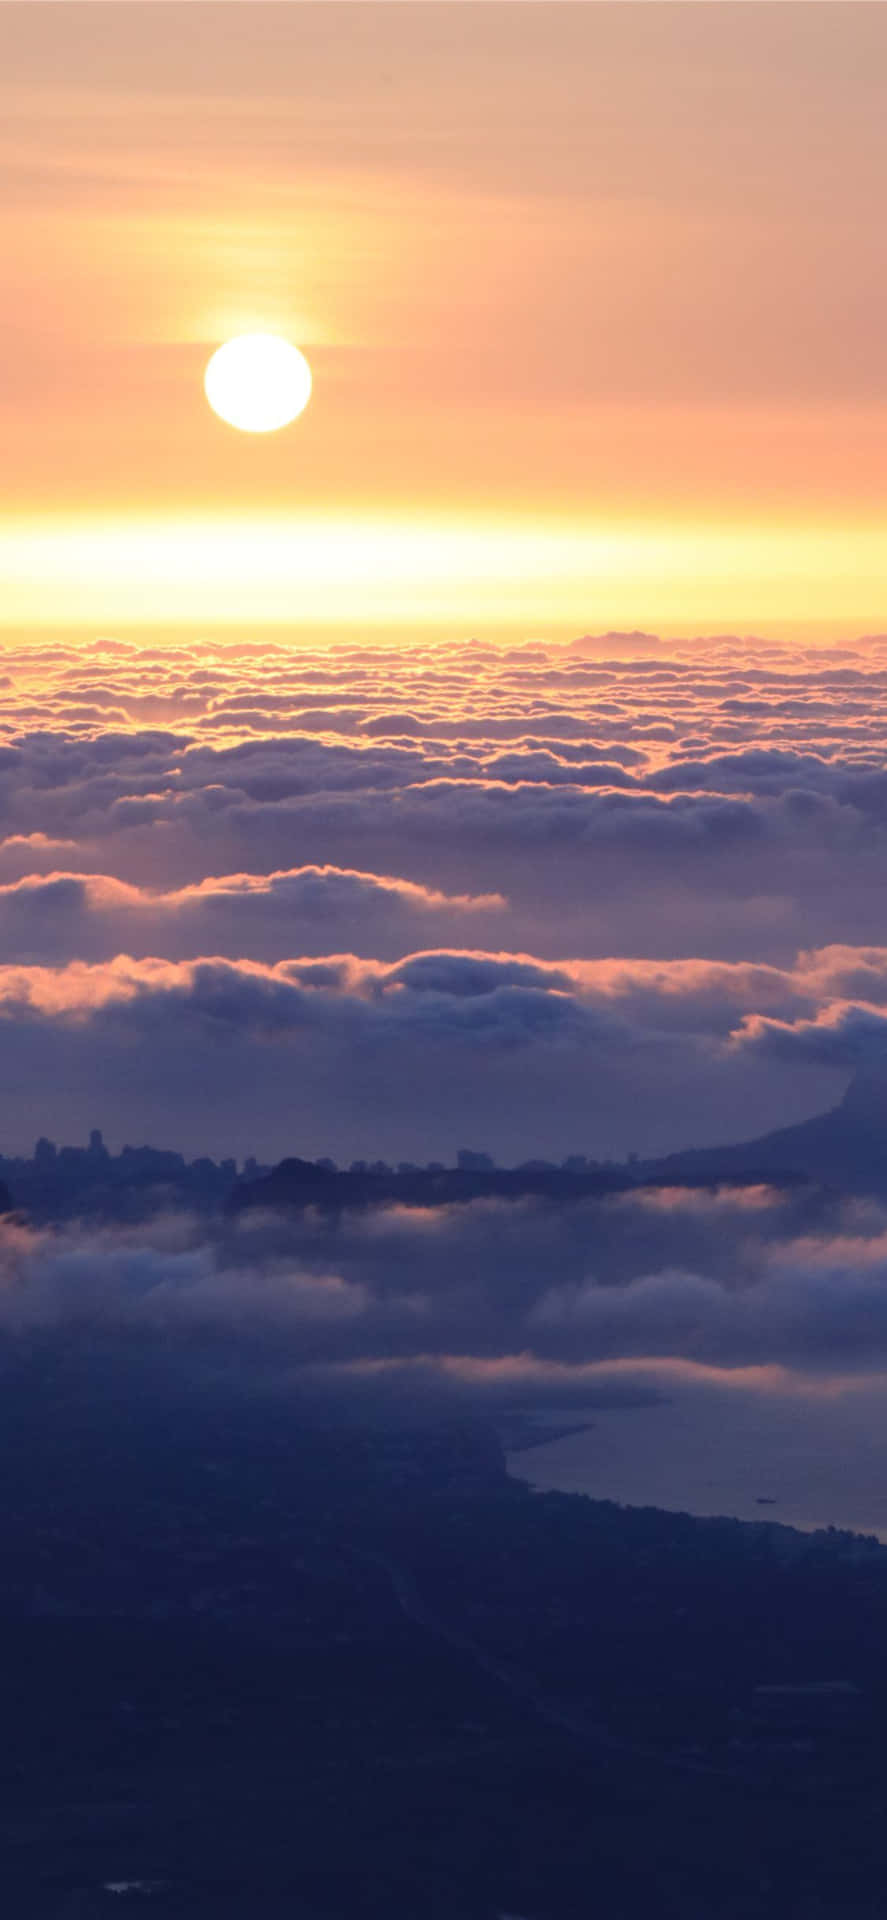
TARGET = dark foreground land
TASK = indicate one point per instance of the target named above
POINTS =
(270, 1665)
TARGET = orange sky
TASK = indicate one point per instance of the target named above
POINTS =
(594, 297)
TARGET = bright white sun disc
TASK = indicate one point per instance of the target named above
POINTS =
(257, 382)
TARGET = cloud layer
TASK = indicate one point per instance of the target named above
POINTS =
(749, 1327)
(620, 894)
(617, 895)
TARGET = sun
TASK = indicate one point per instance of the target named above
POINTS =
(257, 382)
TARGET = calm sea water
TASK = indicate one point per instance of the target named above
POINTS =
(807, 1464)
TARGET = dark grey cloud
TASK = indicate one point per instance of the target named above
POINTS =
(721, 1280)
(263, 917)
(337, 1054)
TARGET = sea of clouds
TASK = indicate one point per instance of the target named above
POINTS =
(386, 902)
(610, 896)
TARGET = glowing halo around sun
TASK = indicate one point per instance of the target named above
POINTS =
(257, 382)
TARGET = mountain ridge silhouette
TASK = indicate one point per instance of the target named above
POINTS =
(845, 1146)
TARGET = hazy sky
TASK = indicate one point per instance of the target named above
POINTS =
(594, 297)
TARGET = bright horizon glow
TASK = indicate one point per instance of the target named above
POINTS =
(329, 569)
(258, 382)
(590, 380)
